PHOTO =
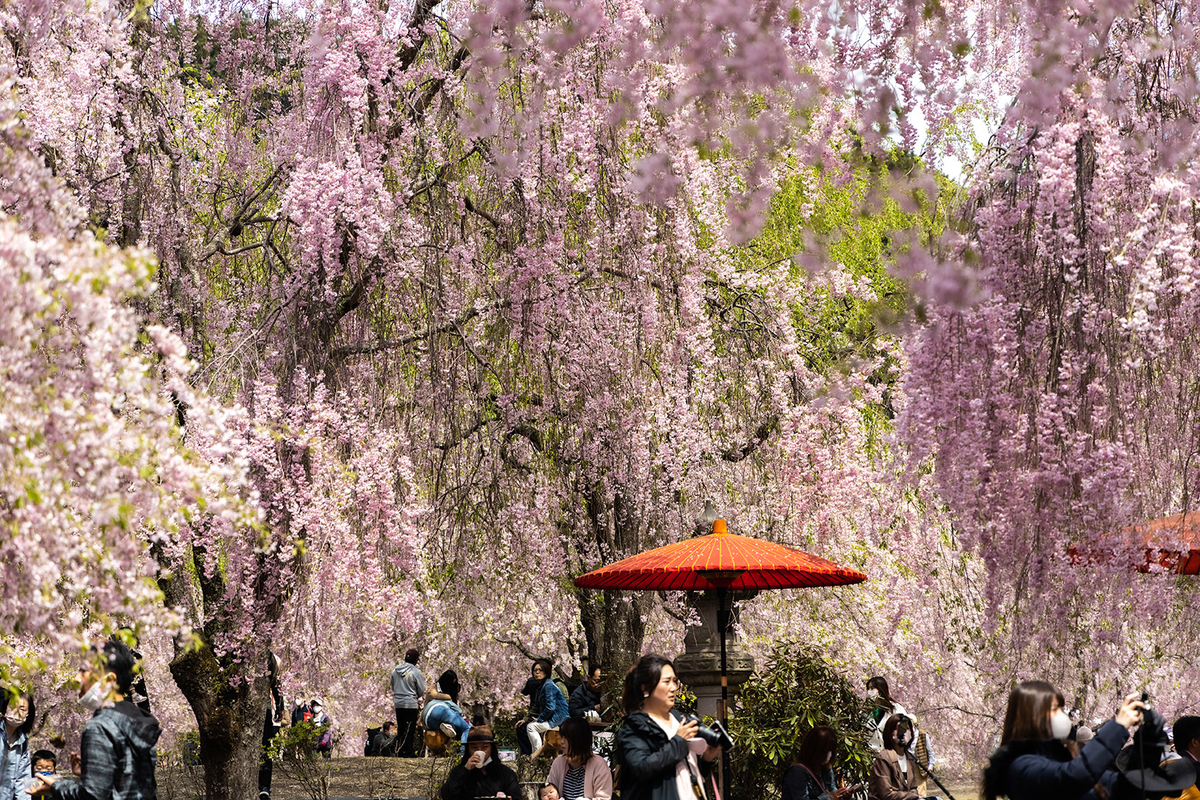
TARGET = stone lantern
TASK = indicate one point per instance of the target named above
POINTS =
(700, 664)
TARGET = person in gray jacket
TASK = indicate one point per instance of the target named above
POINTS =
(408, 687)
(117, 751)
(15, 773)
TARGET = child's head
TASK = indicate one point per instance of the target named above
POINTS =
(548, 791)
(44, 761)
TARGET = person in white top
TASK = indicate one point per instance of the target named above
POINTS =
(883, 707)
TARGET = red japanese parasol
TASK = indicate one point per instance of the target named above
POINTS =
(704, 563)
(1173, 542)
(1169, 543)
(720, 561)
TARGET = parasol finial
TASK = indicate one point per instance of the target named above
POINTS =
(719, 527)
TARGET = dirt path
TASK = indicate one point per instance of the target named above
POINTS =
(384, 779)
(346, 777)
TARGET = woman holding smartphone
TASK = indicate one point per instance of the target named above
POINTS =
(811, 776)
(1033, 763)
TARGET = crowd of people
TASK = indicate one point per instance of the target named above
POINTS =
(658, 752)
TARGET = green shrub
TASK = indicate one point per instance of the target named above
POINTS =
(294, 751)
(796, 691)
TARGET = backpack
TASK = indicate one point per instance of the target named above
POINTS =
(371, 734)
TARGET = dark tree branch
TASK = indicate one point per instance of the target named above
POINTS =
(432, 330)
(474, 209)
(761, 434)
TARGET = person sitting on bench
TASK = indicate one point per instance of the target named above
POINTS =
(442, 712)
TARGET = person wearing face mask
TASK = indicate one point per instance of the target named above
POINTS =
(879, 698)
(117, 750)
(811, 775)
(893, 773)
(1032, 762)
(657, 748)
(480, 773)
(15, 773)
(580, 774)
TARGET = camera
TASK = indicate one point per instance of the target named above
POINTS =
(714, 736)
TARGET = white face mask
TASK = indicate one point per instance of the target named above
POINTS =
(93, 698)
(872, 694)
(829, 757)
(1060, 725)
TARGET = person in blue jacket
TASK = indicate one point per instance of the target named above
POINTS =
(1033, 763)
(554, 706)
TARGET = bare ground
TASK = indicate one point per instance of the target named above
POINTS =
(359, 776)
(385, 779)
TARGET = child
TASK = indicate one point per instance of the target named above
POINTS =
(45, 762)
(548, 791)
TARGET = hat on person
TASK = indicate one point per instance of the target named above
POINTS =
(480, 733)
(1141, 764)
(411, 655)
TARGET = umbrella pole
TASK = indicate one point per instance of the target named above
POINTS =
(723, 712)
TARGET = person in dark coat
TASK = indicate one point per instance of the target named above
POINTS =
(585, 700)
(117, 749)
(658, 762)
(271, 725)
(811, 776)
(1032, 763)
(480, 773)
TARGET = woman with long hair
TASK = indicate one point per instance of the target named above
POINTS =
(18, 709)
(579, 773)
(810, 777)
(1032, 763)
(879, 697)
(657, 747)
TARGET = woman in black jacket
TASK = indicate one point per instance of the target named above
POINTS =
(657, 760)
(480, 774)
(1032, 762)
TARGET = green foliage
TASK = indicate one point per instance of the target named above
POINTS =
(504, 728)
(797, 691)
(294, 751)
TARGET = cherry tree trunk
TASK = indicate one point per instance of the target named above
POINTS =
(614, 627)
(229, 712)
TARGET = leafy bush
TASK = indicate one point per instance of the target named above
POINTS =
(294, 751)
(796, 691)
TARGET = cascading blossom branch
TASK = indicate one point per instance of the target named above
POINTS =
(93, 469)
